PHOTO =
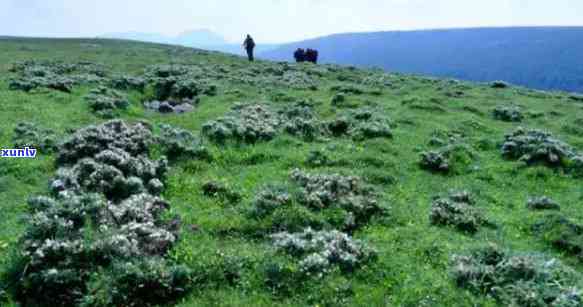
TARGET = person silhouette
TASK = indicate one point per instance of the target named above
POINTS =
(249, 45)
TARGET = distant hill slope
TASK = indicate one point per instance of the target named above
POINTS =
(538, 57)
(202, 38)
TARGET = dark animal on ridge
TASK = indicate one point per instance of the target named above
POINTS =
(312, 56)
(300, 55)
(309, 55)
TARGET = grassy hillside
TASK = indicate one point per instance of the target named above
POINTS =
(537, 57)
(395, 143)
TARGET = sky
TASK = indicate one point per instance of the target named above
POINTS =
(274, 21)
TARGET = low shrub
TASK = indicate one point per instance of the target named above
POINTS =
(457, 210)
(338, 100)
(247, 123)
(561, 233)
(320, 201)
(221, 191)
(30, 135)
(347, 89)
(361, 124)
(509, 113)
(336, 191)
(58, 76)
(125, 83)
(321, 251)
(499, 84)
(517, 279)
(178, 143)
(147, 282)
(317, 158)
(542, 203)
(269, 199)
(115, 134)
(104, 101)
(449, 159)
(28, 84)
(300, 120)
(536, 146)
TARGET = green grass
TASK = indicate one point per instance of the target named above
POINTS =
(413, 256)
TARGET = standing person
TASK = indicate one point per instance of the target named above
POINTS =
(249, 45)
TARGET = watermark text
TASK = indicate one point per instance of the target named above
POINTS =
(25, 152)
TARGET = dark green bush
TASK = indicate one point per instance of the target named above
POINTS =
(270, 198)
(31, 135)
(104, 101)
(499, 84)
(509, 113)
(361, 124)
(535, 146)
(457, 210)
(182, 144)
(517, 279)
(561, 233)
(147, 282)
(542, 203)
(221, 191)
(125, 83)
(450, 159)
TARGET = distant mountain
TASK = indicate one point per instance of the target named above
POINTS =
(203, 39)
(537, 57)
(199, 37)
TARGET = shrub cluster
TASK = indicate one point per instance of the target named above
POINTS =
(457, 210)
(30, 135)
(125, 83)
(104, 101)
(450, 159)
(561, 233)
(320, 200)
(499, 84)
(251, 123)
(269, 199)
(319, 191)
(299, 119)
(363, 123)
(536, 146)
(221, 191)
(347, 89)
(178, 143)
(317, 158)
(542, 203)
(511, 113)
(299, 80)
(378, 80)
(517, 279)
(54, 75)
(103, 221)
(27, 84)
(247, 123)
(178, 83)
(321, 251)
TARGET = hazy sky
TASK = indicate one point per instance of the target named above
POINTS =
(274, 20)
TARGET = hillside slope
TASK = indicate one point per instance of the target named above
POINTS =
(281, 184)
(543, 58)
(203, 39)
